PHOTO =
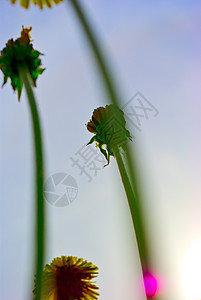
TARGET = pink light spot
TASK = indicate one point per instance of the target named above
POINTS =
(150, 284)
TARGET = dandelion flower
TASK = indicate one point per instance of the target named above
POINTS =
(108, 124)
(20, 54)
(68, 278)
(40, 3)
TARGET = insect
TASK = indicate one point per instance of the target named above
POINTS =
(108, 124)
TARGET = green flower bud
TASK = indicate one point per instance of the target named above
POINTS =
(108, 124)
(20, 54)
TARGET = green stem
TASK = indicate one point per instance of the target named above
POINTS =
(135, 212)
(131, 186)
(96, 48)
(39, 180)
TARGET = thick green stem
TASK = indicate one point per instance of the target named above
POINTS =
(96, 48)
(135, 212)
(131, 186)
(39, 181)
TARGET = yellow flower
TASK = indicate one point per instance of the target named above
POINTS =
(68, 278)
(41, 3)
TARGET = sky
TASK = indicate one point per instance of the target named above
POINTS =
(153, 49)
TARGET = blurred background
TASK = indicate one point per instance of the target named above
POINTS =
(152, 48)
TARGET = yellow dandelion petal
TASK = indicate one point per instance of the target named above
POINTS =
(40, 3)
(68, 278)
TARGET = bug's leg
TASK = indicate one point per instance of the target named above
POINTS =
(108, 161)
(92, 140)
(110, 153)
(103, 151)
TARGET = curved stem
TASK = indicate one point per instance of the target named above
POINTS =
(39, 180)
(96, 48)
(135, 212)
(131, 187)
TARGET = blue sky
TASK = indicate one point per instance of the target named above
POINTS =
(152, 47)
